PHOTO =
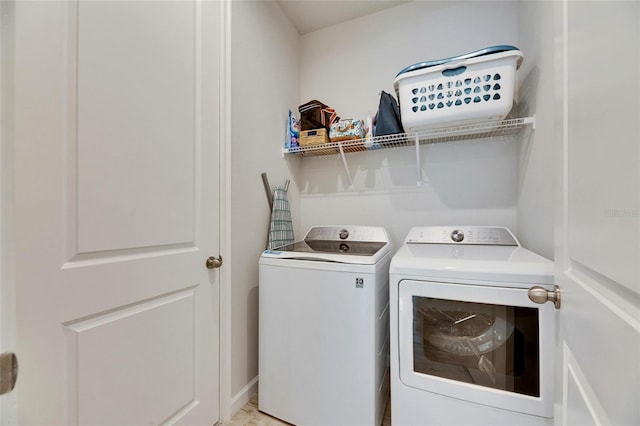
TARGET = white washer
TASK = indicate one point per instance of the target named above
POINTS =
(468, 346)
(323, 330)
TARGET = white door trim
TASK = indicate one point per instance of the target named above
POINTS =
(8, 410)
(226, 409)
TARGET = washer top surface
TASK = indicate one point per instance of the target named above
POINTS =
(341, 244)
(491, 254)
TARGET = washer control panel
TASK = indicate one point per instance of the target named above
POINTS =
(479, 235)
(457, 235)
(347, 233)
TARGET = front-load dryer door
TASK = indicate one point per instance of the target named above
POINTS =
(485, 344)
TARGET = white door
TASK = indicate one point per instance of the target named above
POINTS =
(116, 200)
(598, 251)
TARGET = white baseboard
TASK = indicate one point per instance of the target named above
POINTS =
(246, 393)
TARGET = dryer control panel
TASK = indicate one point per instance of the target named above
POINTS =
(479, 235)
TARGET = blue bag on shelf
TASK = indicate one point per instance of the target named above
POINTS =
(387, 120)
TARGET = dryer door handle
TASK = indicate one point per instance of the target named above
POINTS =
(540, 295)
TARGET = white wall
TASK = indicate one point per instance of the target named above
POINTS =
(264, 85)
(347, 65)
(535, 211)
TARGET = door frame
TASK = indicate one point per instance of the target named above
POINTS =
(8, 410)
(224, 299)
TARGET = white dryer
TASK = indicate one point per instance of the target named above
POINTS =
(468, 345)
(323, 327)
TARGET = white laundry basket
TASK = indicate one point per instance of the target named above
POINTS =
(475, 87)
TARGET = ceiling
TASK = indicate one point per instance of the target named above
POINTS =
(311, 15)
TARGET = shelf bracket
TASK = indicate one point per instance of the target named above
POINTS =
(346, 166)
(418, 172)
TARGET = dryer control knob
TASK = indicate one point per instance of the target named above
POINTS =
(457, 236)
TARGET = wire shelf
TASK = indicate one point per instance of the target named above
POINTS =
(424, 137)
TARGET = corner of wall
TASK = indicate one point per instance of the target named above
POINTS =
(244, 395)
(264, 73)
(535, 205)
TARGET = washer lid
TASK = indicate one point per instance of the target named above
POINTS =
(471, 261)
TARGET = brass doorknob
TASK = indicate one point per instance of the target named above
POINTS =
(540, 295)
(8, 372)
(213, 262)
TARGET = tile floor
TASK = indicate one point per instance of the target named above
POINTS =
(249, 415)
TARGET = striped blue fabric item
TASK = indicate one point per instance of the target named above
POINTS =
(281, 227)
